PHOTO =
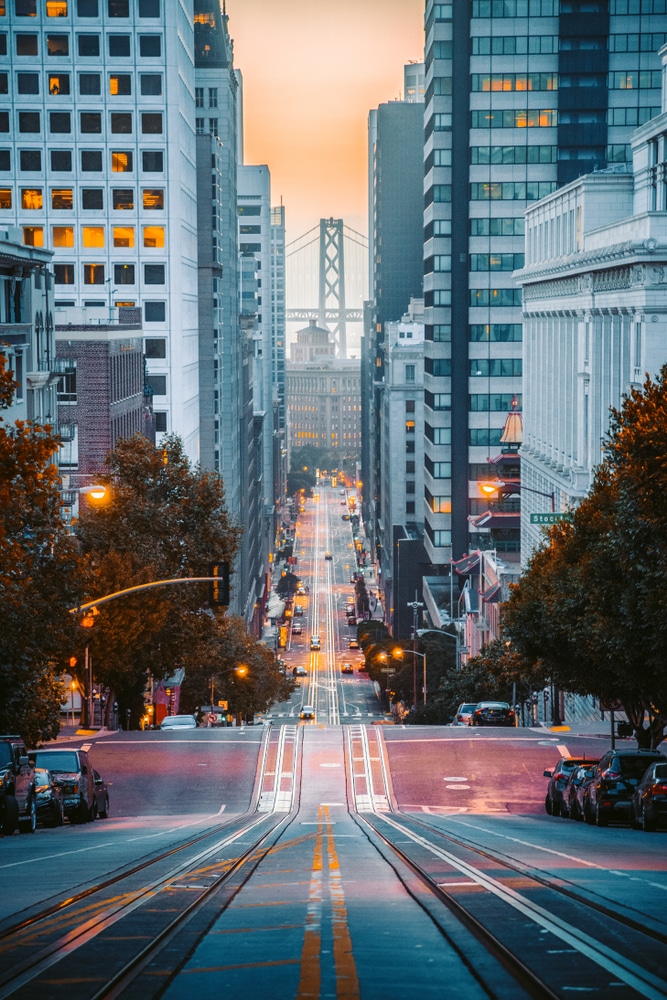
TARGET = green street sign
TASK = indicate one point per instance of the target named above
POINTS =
(549, 518)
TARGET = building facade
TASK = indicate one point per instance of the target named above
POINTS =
(521, 98)
(595, 317)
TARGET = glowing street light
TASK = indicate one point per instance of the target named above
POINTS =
(498, 486)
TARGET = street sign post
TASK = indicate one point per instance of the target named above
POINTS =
(549, 518)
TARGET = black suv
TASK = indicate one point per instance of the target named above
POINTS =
(72, 771)
(553, 800)
(608, 794)
(17, 787)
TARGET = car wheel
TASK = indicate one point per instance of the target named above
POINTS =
(11, 819)
(575, 813)
(588, 814)
(549, 806)
(82, 813)
(103, 813)
(564, 811)
(635, 823)
(92, 812)
(555, 808)
(29, 824)
(648, 823)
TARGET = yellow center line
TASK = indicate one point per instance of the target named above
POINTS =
(311, 975)
(347, 981)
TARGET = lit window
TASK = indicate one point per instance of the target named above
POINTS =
(123, 198)
(58, 84)
(57, 45)
(123, 236)
(121, 163)
(120, 84)
(5, 197)
(33, 236)
(62, 199)
(153, 236)
(63, 236)
(93, 274)
(56, 8)
(92, 236)
(153, 198)
(32, 198)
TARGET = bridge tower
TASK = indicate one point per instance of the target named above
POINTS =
(332, 283)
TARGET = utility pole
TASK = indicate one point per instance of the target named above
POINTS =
(416, 607)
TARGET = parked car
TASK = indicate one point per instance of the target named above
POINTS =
(73, 772)
(48, 798)
(17, 787)
(649, 799)
(298, 609)
(558, 777)
(351, 620)
(464, 713)
(327, 555)
(492, 713)
(297, 628)
(299, 672)
(307, 712)
(608, 795)
(101, 795)
(178, 722)
(315, 643)
(347, 668)
(566, 789)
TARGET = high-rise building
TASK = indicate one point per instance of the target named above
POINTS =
(521, 98)
(97, 159)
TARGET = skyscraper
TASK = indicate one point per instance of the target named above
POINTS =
(522, 96)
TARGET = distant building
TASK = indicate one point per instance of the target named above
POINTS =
(323, 396)
(595, 317)
(26, 329)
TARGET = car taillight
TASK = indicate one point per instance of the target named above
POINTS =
(660, 789)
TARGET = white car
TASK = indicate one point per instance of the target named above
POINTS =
(178, 722)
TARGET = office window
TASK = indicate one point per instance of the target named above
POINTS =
(30, 159)
(118, 8)
(56, 8)
(496, 367)
(5, 198)
(154, 274)
(27, 83)
(91, 161)
(87, 8)
(60, 122)
(153, 236)
(121, 124)
(151, 123)
(26, 45)
(61, 160)
(62, 199)
(410, 373)
(93, 274)
(150, 46)
(123, 274)
(152, 161)
(58, 84)
(212, 97)
(89, 45)
(91, 122)
(150, 84)
(119, 45)
(123, 236)
(121, 162)
(25, 8)
(153, 198)
(64, 274)
(57, 45)
(32, 199)
(4, 121)
(158, 383)
(160, 422)
(155, 347)
(3, 44)
(5, 160)
(90, 84)
(149, 8)
(155, 312)
(33, 236)
(120, 84)
(92, 237)
(199, 97)
(92, 199)
(62, 236)
(29, 121)
(122, 199)
(200, 126)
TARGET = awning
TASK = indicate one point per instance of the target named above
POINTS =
(492, 594)
(468, 564)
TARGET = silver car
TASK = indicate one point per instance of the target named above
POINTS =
(176, 722)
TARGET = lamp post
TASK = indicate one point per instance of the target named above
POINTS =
(449, 635)
(416, 606)
(498, 485)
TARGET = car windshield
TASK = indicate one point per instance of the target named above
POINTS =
(178, 720)
(661, 772)
(41, 778)
(55, 760)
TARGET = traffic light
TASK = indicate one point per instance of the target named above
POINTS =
(218, 589)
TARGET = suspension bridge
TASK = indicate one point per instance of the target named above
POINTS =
(338, 255)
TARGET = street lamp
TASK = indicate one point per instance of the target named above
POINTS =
(499, 485)
(449, 635)
(398, 653)
(416, 606)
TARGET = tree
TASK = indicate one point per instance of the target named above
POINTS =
(41, 577)
(591, 603)
(165, 520)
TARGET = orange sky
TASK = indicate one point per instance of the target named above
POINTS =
(312, 70)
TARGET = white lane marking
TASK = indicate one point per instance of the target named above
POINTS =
(454, 779)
